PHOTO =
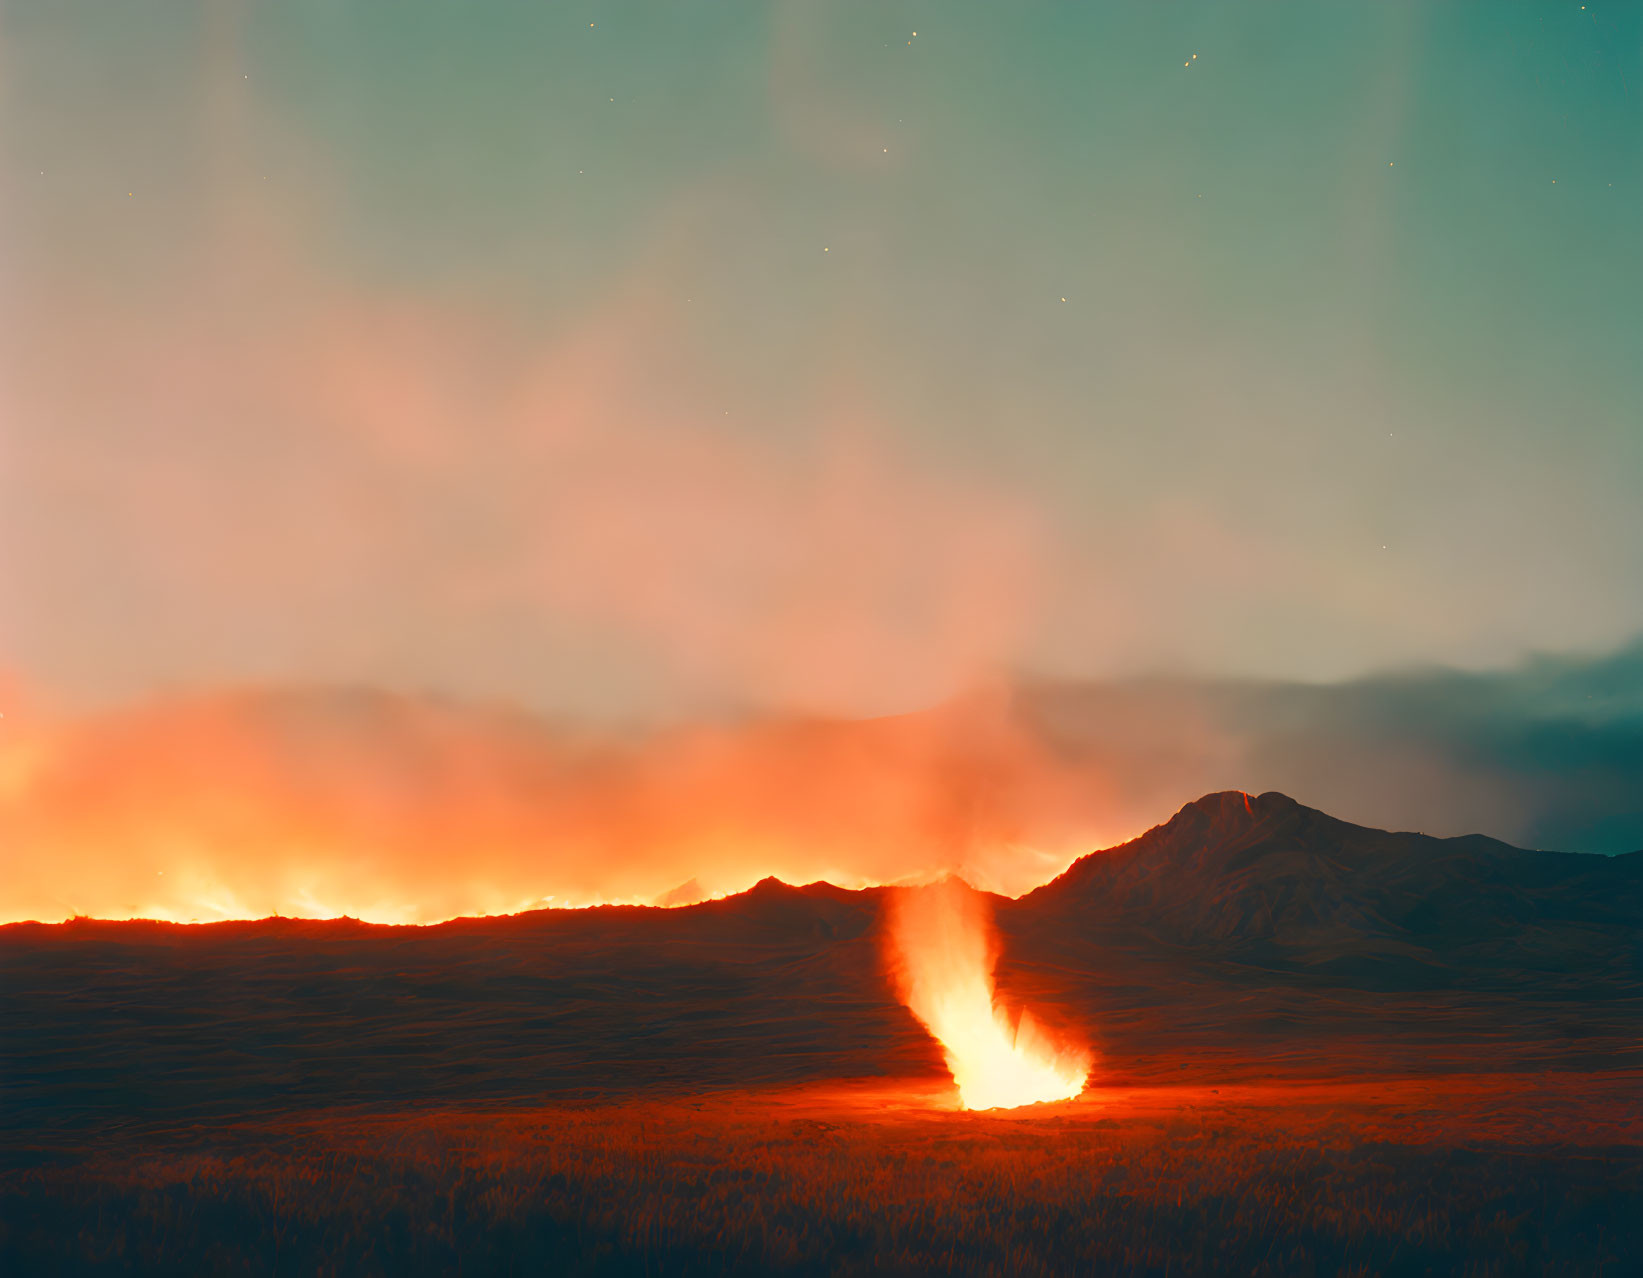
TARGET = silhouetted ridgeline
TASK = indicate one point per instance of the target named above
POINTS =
(1246, 936)
(1266, 880)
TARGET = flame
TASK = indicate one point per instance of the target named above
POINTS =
(394, 809)
(943, 949)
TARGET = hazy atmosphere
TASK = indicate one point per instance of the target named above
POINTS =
(686, 369)
(996, 638)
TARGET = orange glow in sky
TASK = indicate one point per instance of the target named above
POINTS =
(391, 809)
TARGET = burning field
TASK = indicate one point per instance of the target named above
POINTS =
(1237, 1044)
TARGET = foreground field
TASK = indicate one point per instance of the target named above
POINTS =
(1459, 1174)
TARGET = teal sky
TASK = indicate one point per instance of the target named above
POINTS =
(635, 358)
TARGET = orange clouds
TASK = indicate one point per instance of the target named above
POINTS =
(398, 810)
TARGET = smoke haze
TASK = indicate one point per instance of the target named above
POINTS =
(665, 422)
(680, 365)
(402, 809)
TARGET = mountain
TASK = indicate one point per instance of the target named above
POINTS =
(1265, 879)
(1246, 935)
(1257, 930)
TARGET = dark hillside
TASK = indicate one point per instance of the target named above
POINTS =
(1261, 928)
(1244, 935)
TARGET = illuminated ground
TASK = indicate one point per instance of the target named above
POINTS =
(1473, 1174)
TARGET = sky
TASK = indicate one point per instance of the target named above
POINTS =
(629, 359)
(648, 365)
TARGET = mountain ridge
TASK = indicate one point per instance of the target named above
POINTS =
(1228, 832)
(1268, 881)
(1247, 936)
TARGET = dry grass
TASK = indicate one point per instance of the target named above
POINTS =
(1501, 1175)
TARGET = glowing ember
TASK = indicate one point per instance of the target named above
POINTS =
(943, 948)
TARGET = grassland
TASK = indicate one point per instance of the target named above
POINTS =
(1455, 1175)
